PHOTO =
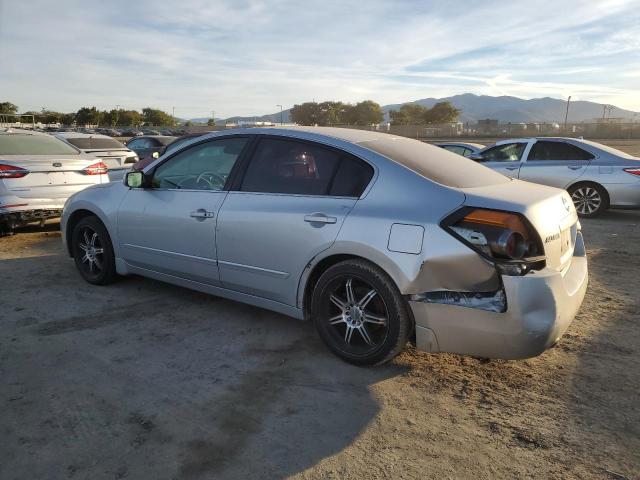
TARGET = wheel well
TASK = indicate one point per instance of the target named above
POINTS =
(72, 222)
(588, 182)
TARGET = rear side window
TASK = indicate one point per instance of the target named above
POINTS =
(25, 144)
(289, 166)
(544, 150)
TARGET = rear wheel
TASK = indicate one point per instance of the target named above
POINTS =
(589, 199)
(360, 314)
(93, 252)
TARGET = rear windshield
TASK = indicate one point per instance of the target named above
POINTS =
(21, 144)
(434, 163)
(95, 143)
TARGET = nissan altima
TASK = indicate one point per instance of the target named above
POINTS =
(374, 238)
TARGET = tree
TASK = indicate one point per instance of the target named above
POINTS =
(211, 122)
(442, 112)
(129, 118)
(8, 107)
(409, 114)
(364, 113)
(331, 113)
(89, 116)
(68, 118)
(307, 113)
(152, 116)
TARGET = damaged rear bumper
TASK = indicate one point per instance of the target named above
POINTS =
(540, 306)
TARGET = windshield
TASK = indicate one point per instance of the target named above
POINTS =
(25, 144)
(435, 163)
(96, 143)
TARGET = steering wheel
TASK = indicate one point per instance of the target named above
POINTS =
(208, 178)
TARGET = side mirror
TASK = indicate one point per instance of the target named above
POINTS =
(155, 154)
(477, 157)
(134, 179)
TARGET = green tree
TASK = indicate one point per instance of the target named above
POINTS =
(409, 114)
(211, 122)
(129, 118)
(364, 113)
(442, 112)
(152, 116)
(331, 113)
(68, 118)
(89, 116)
(307, 113)
(8, 107)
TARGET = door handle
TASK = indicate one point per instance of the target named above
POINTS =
(575, 167)
(512, 168)
(201, 214)
(319, 218)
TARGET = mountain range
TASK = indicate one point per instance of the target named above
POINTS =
(503, 108)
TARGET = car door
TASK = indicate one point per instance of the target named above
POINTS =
(142, 146)
(288, 207)
(554, 162)
(170, 226)
(505, 158)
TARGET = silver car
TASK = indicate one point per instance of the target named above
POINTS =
(461, 148)
(118, 158)
(596, 176)
(375, 238)
(38, 172)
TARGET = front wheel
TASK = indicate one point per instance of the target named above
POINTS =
(360, 314)
(93, 252)
(589, 199)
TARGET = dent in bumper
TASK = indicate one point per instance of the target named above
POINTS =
(541, 306)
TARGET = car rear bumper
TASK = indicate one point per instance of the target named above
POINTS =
(540, 307)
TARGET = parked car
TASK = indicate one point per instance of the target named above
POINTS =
(461, 148)
(147, 145)
(38, 172)
(372, 237)
(131, 133)
(143, 162)
(114, 154)
(596, 176)
(149, 131)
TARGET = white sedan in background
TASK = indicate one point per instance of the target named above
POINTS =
(115, 155)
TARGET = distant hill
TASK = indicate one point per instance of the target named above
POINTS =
(477, 107)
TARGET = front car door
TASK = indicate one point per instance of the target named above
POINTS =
(505, 158)
(170, 227)
(555, 162)
(288, 207)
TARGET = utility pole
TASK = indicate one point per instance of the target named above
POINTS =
(173, 115)
(280, 114)
(604, 111)
(566, 113)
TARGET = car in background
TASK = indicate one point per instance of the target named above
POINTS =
(38, 172)
(146, 145)
(149, 131)
(372, 237)
(130, 133)
(461, 148)
(178, 142)
(596, 176)
(114, 154)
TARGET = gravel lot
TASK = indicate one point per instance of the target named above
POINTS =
(145, 380)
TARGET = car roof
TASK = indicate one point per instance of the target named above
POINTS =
(462, 144)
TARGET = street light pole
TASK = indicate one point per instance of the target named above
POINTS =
(281, 123)
(566, 113)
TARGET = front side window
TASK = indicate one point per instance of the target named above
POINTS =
(545, 150)
(508, 152)
(201, 167)
(139, 143)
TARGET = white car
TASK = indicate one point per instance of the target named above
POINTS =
(38, 172)
(118, 158)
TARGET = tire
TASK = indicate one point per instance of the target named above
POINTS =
(359, 313)
(590, 199)
(93, 252)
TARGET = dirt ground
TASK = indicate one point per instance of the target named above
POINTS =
(144, 380)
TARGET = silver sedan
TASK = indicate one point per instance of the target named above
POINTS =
(375, 238)
(596, 176)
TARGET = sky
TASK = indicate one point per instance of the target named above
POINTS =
(245, 57)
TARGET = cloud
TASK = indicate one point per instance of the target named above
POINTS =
(244, 57)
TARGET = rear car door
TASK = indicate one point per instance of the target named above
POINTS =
(288, 207)
(170, 227)
(505, 158)
(555, 163)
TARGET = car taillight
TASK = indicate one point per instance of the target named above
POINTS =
(96, 169)
(633, 171)
(505, 238)
(10, 171)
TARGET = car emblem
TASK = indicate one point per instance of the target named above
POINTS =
(567, 204)
(57, 164)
